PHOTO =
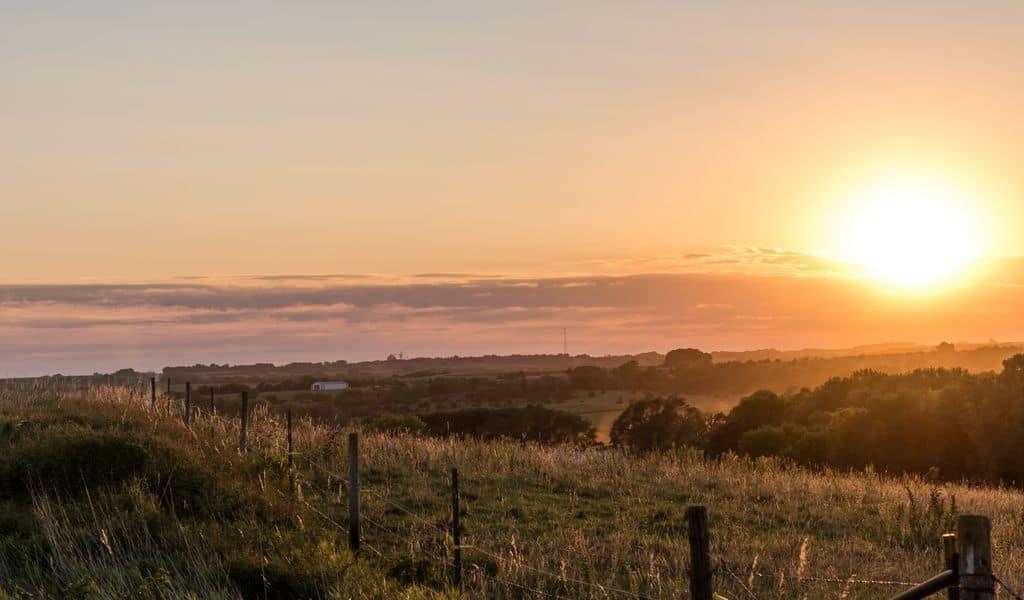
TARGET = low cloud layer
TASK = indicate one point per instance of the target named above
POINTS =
(790, 301)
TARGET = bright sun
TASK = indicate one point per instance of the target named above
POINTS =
(911, 232)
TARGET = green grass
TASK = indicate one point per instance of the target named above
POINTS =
(104, 498)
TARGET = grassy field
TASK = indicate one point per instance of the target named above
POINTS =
(104, 497)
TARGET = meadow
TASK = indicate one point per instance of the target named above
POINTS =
(106, 497)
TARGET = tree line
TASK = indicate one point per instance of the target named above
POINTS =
(946, 423)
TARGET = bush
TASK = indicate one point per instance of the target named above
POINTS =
(73, 461)
(409, 424)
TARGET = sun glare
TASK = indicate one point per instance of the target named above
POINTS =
(911, 233)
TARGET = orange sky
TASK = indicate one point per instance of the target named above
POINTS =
(143, 143)
(147, 142)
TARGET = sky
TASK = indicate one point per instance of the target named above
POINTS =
(231, 149)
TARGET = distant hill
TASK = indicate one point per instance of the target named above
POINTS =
(779, 370)
(452, 365)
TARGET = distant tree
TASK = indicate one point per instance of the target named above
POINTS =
(659, 424)
(1013, 370)
(753, 412)
(945, 347)
(687, 357)
(589, 378)
(521, 422)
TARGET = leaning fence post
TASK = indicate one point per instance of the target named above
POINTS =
(974, 546)
(950, 561)
(353, 492)
(152, 391)
(456, 532)
(242, 442)
(188, 402)
(700, 550)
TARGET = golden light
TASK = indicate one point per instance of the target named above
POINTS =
(911, 232)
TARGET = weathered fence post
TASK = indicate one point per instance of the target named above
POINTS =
(353, 492)
(168, 386)
(188, 402)
(700, 553)
(456, 532)
(974, 547)
(242, 442)
(152, 391)
(212, 406)
(950, 561)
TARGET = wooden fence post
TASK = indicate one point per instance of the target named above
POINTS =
(456, 532)
(974, 547)
(950, 560)
(242, 442)
(353, 492)
(212, 406)
(152, 392)
(168, 386)
(188, 402)
(700, 551)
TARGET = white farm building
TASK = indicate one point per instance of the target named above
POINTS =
(326, 386)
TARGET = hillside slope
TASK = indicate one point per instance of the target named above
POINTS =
(104, 497)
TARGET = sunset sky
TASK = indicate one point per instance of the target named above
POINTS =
(231, 181)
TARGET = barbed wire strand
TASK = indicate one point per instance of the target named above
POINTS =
(445, 562)
(604, 588)
(386, 500)
(397, 534)
(328, 518)
(851, 579)
(739, 581)
(1008, 589)
(854, 579)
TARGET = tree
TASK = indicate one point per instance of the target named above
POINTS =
(1013, 370)
(687, 357)
(753, 412)
(659, 424)
(589, 378)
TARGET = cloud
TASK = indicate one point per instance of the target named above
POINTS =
(45, 328)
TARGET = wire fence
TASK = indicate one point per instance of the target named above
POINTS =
(514, 564)
(565, 585)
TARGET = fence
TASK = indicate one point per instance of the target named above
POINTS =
(967, 553)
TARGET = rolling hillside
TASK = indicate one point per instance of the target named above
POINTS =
(105, 497)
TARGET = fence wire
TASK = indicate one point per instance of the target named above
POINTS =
(1007, 588)
(606, 589)
(441, 559)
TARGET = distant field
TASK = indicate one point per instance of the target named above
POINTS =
(601, 408)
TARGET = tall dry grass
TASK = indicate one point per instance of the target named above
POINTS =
(540, 521)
